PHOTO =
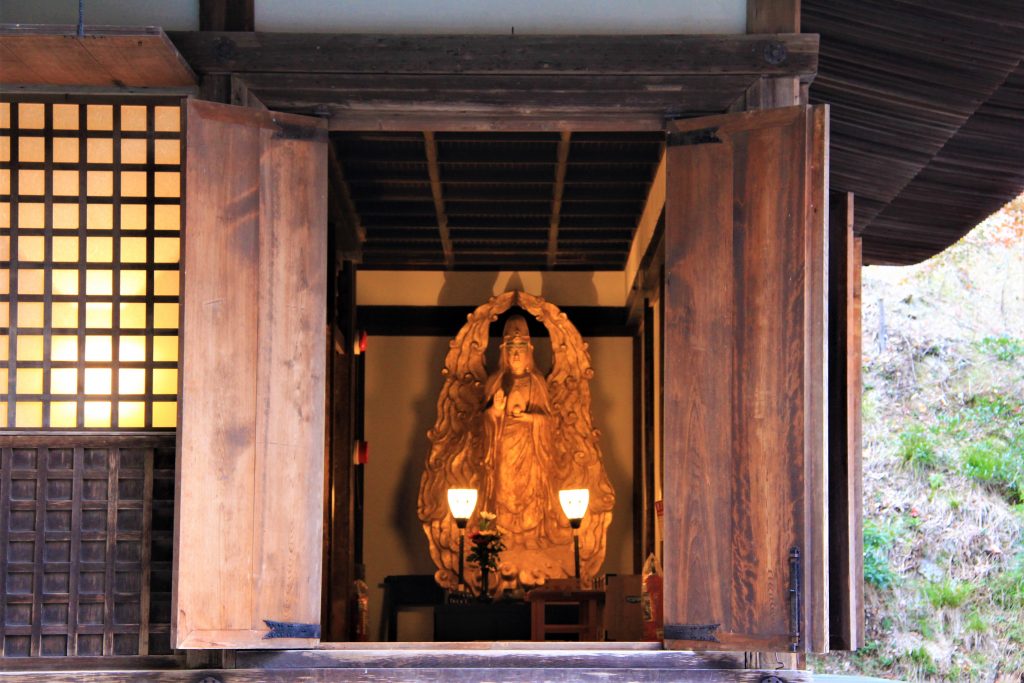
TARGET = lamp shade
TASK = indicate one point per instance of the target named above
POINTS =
(574, 502)
(461, 502)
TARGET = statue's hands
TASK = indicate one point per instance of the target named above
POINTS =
(519, 414)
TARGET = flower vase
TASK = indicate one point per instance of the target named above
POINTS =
(485, 594)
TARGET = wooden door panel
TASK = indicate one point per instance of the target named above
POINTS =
(744, 380)
(249, 512)
(846, 551)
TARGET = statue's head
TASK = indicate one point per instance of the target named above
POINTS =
(516, 349)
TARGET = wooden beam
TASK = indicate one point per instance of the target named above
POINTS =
(645, 229)
(341, 210)
(128, 57)
(556, 199)
(436, 191)
(227, 15)
(518, 119)
(477, 93)
(759, 55)
(243, 96)
(455, 674)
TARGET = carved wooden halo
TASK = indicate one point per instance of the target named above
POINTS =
(568, 350)
(461, 396)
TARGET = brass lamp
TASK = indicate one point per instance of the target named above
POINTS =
(461, 503)
(574, 505)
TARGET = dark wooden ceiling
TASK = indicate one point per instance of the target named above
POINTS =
(495, 152)
(927, 115)
(454, 146)
(498, 200)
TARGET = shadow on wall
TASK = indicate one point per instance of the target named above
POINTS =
(475, 288)
(404, 518)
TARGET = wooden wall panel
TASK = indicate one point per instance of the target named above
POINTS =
(83, 570)
(744, 380)
(248, 542)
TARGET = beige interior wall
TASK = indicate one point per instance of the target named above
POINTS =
(403, 379)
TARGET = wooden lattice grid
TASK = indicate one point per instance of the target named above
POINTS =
(90, 220)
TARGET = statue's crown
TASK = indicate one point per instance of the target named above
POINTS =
(516, 330)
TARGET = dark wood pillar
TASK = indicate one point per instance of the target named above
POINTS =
(846, 548)
(340, 522)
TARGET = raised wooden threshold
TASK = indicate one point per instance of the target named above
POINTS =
(504, 661)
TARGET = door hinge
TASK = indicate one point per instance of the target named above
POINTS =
(702, 136)
(795, 598)
(287, 629)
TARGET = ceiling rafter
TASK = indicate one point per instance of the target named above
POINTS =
(564, 143)
(434, 171)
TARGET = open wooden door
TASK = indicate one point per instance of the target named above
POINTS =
(846, 493)
(248, 526)
(745, 382)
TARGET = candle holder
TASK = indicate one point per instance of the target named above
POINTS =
(574, 505)
(461, 503)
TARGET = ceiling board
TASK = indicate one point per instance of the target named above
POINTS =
(103, 57)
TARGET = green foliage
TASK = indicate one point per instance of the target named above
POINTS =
(917, 448)
(1008, 586)
(920, 657)
(975, 623)
(1004, 348)
(925, 625)
(878, 541)
(947, 593)
(997, 463)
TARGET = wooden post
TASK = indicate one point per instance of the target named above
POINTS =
(227, 15)
(774, 16)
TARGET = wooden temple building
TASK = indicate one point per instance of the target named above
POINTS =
(237, 235)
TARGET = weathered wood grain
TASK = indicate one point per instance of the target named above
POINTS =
(774, 16)
(744, 378)
(855, 390)
(698, 340)
(505, 656)
(372, 674)
(124, 58)
(480, 54)
(816, 382)
(214, 523)
(291, 371)
(248, 541)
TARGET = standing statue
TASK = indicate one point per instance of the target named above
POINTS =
(517, 437)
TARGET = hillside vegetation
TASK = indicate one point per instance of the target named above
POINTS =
(944, 463)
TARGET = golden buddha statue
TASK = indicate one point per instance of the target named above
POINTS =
(517, 437)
